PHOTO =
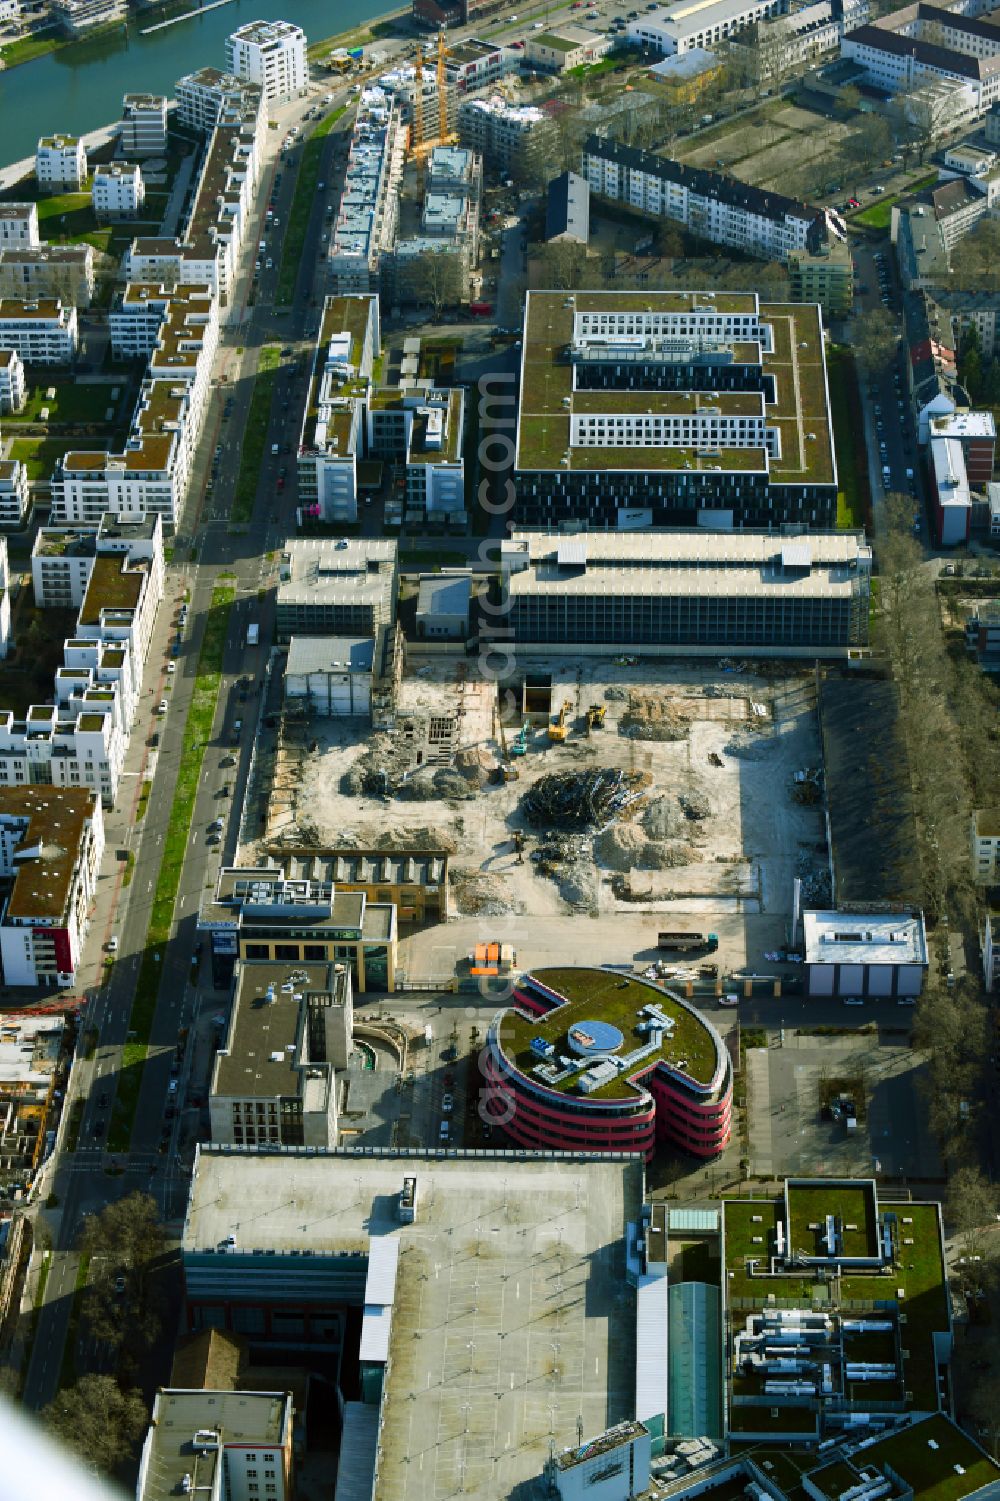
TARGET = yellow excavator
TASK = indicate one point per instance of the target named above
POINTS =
(557, 726)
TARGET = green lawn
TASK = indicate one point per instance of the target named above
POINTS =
(197, 736)
(29, 47)
(255, 436)
(66, 216)
(302, 206)
(71, 403)
(852, 472)
(879, 215)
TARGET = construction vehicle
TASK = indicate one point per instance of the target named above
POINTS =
(519, 745)
(686, 943)
(557, 726)
(595, 717)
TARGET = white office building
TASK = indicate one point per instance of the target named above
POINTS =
(143, 130)
(271, 54)
(675, 29)
(927, 44)
(42, 333)
(60, 164)
(119, 191)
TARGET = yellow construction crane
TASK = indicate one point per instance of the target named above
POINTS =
(421, 146)
(418, 101)
(443, 52)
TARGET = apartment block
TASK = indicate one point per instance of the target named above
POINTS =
(118, 192)
(710, 204)
(18, 225)
(37, 273)
(274, 1080)
(60, 164)
(42, 333)
(824, 276)
(13, 493)
(143, 129)
(364, 229)
(13, 390)
(688, 592)
(51, 842)
(208, 97)
(474, 64)
(5, 635)
(81, 17)
(509, 137)
(236, 1445)
(331, 440)
(271, 54)
(673, 409)
(986, 846)
(931, 44)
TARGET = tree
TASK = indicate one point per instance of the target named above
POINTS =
(563, 263)
(875, 338)
(98, 1420)
(125, 1240)
(971, 1200)
(871, 142)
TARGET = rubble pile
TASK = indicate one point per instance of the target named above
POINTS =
(652, 717)
(420, 837)
(624, 847)
(569, 860)
(583, 799)
(386, 768)
(663, 819)
(477, 893)
(816, 889)
(695, 805)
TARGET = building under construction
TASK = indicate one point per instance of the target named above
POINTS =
(432, 15)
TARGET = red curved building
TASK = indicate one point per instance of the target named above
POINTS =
(591, 1060)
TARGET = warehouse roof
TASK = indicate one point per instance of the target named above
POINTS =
(308, 654)
(864, 938)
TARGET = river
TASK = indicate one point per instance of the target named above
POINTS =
(80, 87)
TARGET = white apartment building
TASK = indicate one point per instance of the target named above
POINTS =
(30, 273)
(675, 29)
(119, 191)
(61, 164)
(18, 225)
(51, 843)
(143, 130)
(271, 54)
(5, 640)
(507, 136)
(13, 390)
(209, 96)
(367, 216)
(332, 436)
(13, 492)
(718, 208)
(986, 846)
(79, 17)
(10, 10)
(923, 44)
(42, 333)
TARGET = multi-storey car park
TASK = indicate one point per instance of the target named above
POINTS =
(590, 1060)
(670, 408)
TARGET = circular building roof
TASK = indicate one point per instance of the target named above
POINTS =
(592, 1039)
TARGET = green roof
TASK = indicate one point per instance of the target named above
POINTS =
(557, 43)
(854, 1205)
(930, 1471)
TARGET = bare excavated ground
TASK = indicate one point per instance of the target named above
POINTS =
(706, 827)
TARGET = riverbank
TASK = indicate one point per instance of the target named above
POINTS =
(12, 174)
(28, 49)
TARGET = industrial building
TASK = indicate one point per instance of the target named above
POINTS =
(588, 1060)
(877, 954)
(331, 675)
(692, 592)
(673, 409)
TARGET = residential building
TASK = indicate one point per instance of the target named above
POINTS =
(559, 49)
(986, 847)
(13, 493)
(219, 1446)
(677, 28)
(710, 204)
(435, 266)
(42, 333)
(511, 138)
(473, 64)
(423, 429)
(567, 209)
(951, 498)
(290, 1032)
(331, 675)
(969, 159)
(51, 843)
(19, 226)
(342, 587)
(826, 276)
(81, 17)
(971, 310)
(856, 953)
(143, 129)
(61, 163)
(691, 592)
(444, 603)
(271, 54)
(588, 1061)
(331, 440)
(5, 636)
(36, 273)
(118, 192)
(925, 43)
(976, 433)
(673, 409)
(13, 391)
(367, 215)
(208, 97)
(982, 635)
(257, 913)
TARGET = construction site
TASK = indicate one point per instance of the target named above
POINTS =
(623, 792)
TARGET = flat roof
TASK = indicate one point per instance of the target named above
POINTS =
(498, 1245)
(47, 853)
(937, 1460)
(444, 594)
(964, 425)
(240, 1418)
(864, 938)
(116, 583)
(339, 571)
(330, 654)
(263, 1057)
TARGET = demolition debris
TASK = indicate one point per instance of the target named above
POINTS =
(584, 799)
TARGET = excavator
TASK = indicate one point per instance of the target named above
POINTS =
(557, 726)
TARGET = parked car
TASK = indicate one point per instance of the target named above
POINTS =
(447, 1103)
(112, 946)
(161, 707)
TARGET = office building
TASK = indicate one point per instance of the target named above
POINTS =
(423, 430)
(559, 49)
(272, 55)
(13, 493)
(37, 273)
(710, 204)
(824, 276)
(19, 226)
(42, 333)
(13, 391)
(258, 914)
(118, 192)
(688, 592)
(51, 842)
(677, 28)
(218, 1446)
(922, 44)
(588, 1061)
(274, 1080)
(143, 129)
(856, 953)
(367, 216)
(976, 434)
(60, 164)
(673, 409)
(343, 587)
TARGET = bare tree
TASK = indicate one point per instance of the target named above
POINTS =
(98, 1420)
(971, 1201)
(876, 336)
